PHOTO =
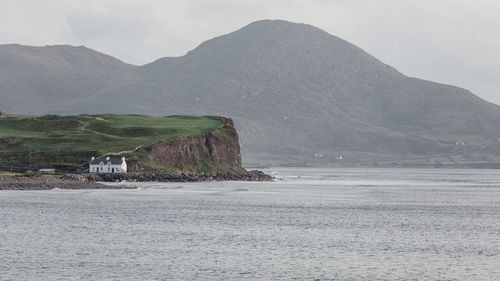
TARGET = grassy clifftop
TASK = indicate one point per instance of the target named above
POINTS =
(71, 140)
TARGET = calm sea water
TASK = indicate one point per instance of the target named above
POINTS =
(311, 224)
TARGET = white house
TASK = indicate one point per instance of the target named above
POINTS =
(107, 165)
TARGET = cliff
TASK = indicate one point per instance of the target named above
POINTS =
(217, 150)
(168, 144)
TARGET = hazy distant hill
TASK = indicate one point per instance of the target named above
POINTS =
(47, 79)
(293, 90)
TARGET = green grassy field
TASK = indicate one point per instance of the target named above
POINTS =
(62, 140)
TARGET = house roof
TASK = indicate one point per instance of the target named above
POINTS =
(114, 161)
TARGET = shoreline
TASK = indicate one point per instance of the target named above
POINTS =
(158, 176)
(93, 181)
(48, 182)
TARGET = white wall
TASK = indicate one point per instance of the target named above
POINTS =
(104, 168)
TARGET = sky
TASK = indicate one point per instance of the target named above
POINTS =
(448, 41)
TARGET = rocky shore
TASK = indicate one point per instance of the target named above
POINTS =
(172, 177)
(48, 183)
(91, 181)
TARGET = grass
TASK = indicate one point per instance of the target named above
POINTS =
(59, 139)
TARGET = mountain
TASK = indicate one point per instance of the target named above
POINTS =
(298, 95)
(39, 80)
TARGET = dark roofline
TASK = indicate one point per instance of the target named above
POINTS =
(114, 161)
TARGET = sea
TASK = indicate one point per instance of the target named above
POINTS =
(308, 224)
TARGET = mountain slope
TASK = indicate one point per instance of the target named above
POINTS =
(46, 79)
(295, 91)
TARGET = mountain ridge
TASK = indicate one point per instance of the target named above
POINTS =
(296, 91)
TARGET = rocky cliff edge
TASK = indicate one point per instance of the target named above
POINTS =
(215, 151)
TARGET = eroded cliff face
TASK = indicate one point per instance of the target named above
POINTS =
(218, 150)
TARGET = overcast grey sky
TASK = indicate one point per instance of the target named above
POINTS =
(449, 41)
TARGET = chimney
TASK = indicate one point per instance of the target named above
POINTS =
(92, 158)
(107, 158)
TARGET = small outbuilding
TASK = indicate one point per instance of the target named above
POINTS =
(107, 165)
